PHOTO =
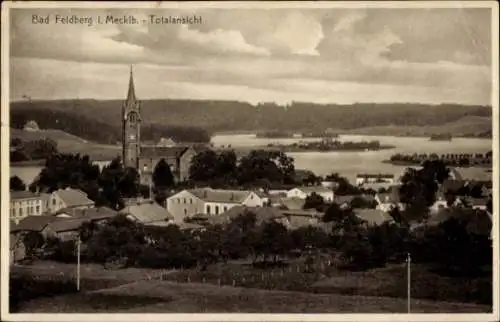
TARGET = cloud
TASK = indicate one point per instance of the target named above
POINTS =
(296, 33)
(219, 40)
(316, 54)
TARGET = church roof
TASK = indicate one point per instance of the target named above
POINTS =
(131, 98)
(163, 151)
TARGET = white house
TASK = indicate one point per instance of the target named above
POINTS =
(303, 192)
(362, 179)
(387, 201)
(209, 202)
(25, 203)
(66, 198)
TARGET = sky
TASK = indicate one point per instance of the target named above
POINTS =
(331, 55)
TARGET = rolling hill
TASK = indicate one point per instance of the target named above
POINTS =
(216, 116)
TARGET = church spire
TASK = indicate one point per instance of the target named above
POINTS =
(131, 89)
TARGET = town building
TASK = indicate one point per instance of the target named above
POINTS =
(145, 158)
(67, 198)
(304, 192)
(210, 202)
(362, 179)
(373, 217)
(389, 200)
(147, 212)
(25, 203)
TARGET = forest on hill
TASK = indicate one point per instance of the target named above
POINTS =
(195, 119)
(98, 129)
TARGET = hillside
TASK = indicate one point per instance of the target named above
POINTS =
(239, 116)
(68, 143)
(468, 126)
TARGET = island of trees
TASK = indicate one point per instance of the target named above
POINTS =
(327, 145)
(274, 135)
(450, 159)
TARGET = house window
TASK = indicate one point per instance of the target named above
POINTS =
(53, 202)
(14, 212)
(184, 200)
(208, 209)
(216, 210)
(20, 211)
(37, 209)
(225, 208)
(191, 201)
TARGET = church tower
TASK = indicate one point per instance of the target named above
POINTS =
(131, 127)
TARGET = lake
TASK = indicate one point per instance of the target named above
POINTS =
(345, 163)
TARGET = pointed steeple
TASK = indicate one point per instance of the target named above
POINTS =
(131, 89)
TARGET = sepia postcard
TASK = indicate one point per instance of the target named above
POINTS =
(250, 161)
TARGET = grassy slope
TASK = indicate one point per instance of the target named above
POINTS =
(169, 297)
(68, 143)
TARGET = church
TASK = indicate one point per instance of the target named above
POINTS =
(145, 158)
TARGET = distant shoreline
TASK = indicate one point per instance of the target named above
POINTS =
(254, 133)
(410, 163)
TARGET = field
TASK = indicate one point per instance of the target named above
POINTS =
(68, 143)
(144, 290)
(384, 282)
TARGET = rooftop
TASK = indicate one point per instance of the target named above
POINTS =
(316, 189)
(261, 213)
(148, 212)
(163, 151)
(373, 216)
(73, 197)
(18, 195)
(33, 223)
(222, 196)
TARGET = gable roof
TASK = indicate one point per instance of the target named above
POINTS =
(73, 197)
(301, 213)
(389, 197)
(18, 195)
(66, 224)
(222, 196)
(311, 189)
(292, 203)
(373, 216)
(344, 199)
(97, 213)
(163, 151)
(261, 213)
(147, 212)
(33, 223)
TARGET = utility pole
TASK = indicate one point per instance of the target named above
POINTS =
(408, 276)
(78, 264)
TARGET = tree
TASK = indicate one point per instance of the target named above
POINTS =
(162, 175)
(275, 166)
(16, 184)
(314, 201)
(274, 240)
(119, 240)
(309, 238)
(202, 166)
